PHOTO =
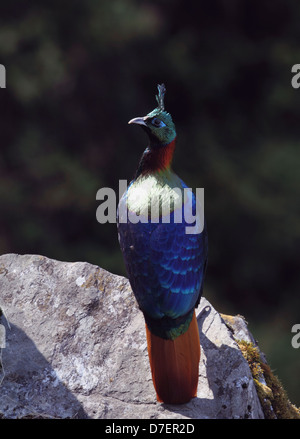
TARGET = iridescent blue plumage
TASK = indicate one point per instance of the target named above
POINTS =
(165, 264)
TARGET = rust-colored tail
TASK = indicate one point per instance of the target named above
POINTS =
(174, 365)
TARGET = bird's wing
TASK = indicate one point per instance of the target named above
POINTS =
(178, 260)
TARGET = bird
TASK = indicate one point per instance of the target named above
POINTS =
(165, 264)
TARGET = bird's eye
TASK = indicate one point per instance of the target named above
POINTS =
(157, 123)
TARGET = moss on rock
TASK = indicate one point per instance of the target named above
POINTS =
(272, 396)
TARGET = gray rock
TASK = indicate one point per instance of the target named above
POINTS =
(75, 346)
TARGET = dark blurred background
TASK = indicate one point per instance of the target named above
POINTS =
(77, 71)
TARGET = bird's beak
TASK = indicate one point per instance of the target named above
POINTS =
(138, 121)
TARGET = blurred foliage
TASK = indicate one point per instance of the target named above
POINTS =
(78, 71)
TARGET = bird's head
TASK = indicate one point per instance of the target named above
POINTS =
(158, 124)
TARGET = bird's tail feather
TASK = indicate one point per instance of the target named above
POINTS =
(174, 364)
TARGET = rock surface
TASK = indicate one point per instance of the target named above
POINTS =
(75, 346)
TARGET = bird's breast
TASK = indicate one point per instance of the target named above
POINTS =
(154, 197)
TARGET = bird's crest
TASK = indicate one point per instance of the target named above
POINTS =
(160, 109)
(161, 96)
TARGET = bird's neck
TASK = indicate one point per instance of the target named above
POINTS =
(158, 159)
